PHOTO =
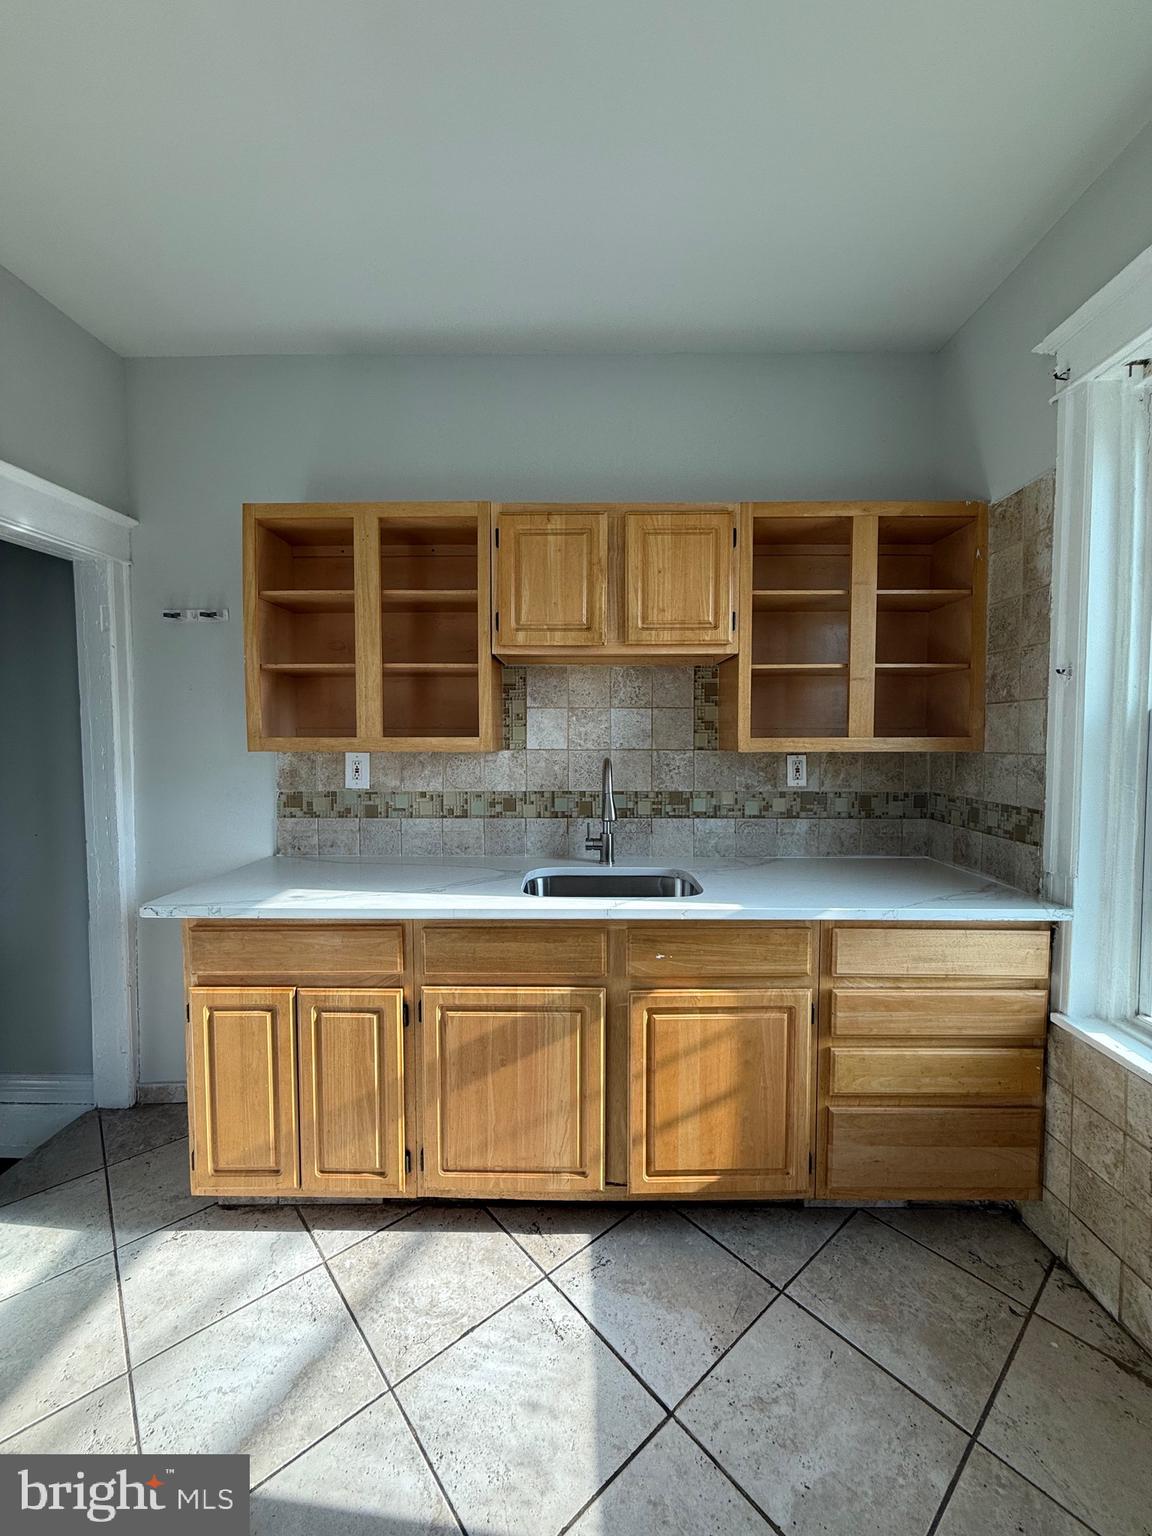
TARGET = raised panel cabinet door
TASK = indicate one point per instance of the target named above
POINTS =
(242, 1080)
(551, 579)
(720, 1092)
(513, 1099)
(679, 570)
(351, 1047)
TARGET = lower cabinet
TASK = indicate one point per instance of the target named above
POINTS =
(351, 1047)
(296, 1091)
(513, 1090)
(242, 1090)
(720, 1092)
(933, 1153)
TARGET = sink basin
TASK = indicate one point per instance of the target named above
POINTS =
(601, 880)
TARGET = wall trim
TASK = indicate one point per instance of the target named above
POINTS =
(34, 1107)
(45, 1088)
(162, 1093)
(96, 539)
(1109, 329)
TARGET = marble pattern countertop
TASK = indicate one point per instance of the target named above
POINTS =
(880, 889)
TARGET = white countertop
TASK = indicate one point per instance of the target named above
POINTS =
(884, 889)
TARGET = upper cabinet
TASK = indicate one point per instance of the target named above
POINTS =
(600, 583)
(862, 628)
(367, 627)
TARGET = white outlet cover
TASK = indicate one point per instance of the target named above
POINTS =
(357, 770)
(797, 770)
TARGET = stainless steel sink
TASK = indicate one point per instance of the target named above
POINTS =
(598, 881)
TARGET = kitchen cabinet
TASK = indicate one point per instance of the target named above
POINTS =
(720, 1092)
(616, 1060)
(862, 628)
(366, 627)
(513, 1090)
(242, 1090)
(604, 583)
(351, 1054)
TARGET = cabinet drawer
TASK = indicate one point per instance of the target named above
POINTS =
(296, 951)
(934, 1154)
(718, 949)
(471, 951)
(1010, 954)
(973, 1011)
(927, 1072)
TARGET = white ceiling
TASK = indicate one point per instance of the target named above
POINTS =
(232, 176)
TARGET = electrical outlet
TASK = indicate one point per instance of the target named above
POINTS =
(357, 770)
(797, 770)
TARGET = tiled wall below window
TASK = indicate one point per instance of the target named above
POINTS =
(1097, 1206)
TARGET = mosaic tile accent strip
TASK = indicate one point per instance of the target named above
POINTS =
(705, 709)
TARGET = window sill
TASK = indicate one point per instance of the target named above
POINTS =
(1120, 1042)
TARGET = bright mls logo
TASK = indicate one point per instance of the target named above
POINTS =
(49, 1494)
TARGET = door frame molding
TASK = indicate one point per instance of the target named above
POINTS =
(96, 540)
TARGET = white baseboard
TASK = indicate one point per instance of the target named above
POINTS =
(36, 1106)
(162, 1093)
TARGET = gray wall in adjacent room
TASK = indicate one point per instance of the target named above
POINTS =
(209, 434)
(45, 1023)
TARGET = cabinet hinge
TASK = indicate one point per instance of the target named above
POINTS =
(733, 620)
(811, 1162)
(497, 538)
(497, 618)
(421, 1159)
(193, 1157)
(407, 1161)
(733, 538)
(420, 1010)
(187, 1013)
(404, 1013)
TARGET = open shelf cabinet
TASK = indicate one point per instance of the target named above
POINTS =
(862, 628)
(367, 628)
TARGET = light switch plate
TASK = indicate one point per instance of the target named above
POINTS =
(357, 770)
(797, 770)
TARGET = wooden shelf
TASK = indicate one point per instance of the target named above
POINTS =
(444, 599)
(311, 599)
(801, 600)
(922, 668)
(310, 668)
(805, 668)
(919, 599)
(451, 668)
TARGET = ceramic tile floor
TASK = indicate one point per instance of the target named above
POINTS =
(516, 1370)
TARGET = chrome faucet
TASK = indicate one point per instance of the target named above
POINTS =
(603, 843)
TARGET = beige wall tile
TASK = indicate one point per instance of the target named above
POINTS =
(1138, 1242)
(1099, 1081)
(1095, 1264)
(1048, 1218)
(1140, 1109)
(1098, 1143)
(1058, 1112)
(1057, 1168)
(1137, 1173)
(1060, 1055)
(1136, 1306)
(1097, 1205)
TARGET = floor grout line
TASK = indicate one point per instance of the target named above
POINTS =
(720, 1243)
(723, 1470)
(627, 1462)
(320, 1439)
(928, 1248)
(72, 1178)
(974, 1439)
(494, 1209)
(391, 1388)
(120, 1301)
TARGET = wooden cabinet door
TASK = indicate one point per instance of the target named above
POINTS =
(720, 1092)
(551, 579)
(242, 1090)
(679, 578)
(513, 1096)
(351, 1047)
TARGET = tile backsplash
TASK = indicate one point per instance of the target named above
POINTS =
(1096, 1211)
(679, 796)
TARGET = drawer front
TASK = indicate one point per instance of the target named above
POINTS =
(1005, 954)
(296, 950)
(931, 1073)
(690, 950)
(934, 1154)
(551, 951)
(900, 1013)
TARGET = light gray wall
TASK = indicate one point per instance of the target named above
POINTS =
(45, 1023)
(62, 398)
(209, 434)
(996, 392)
